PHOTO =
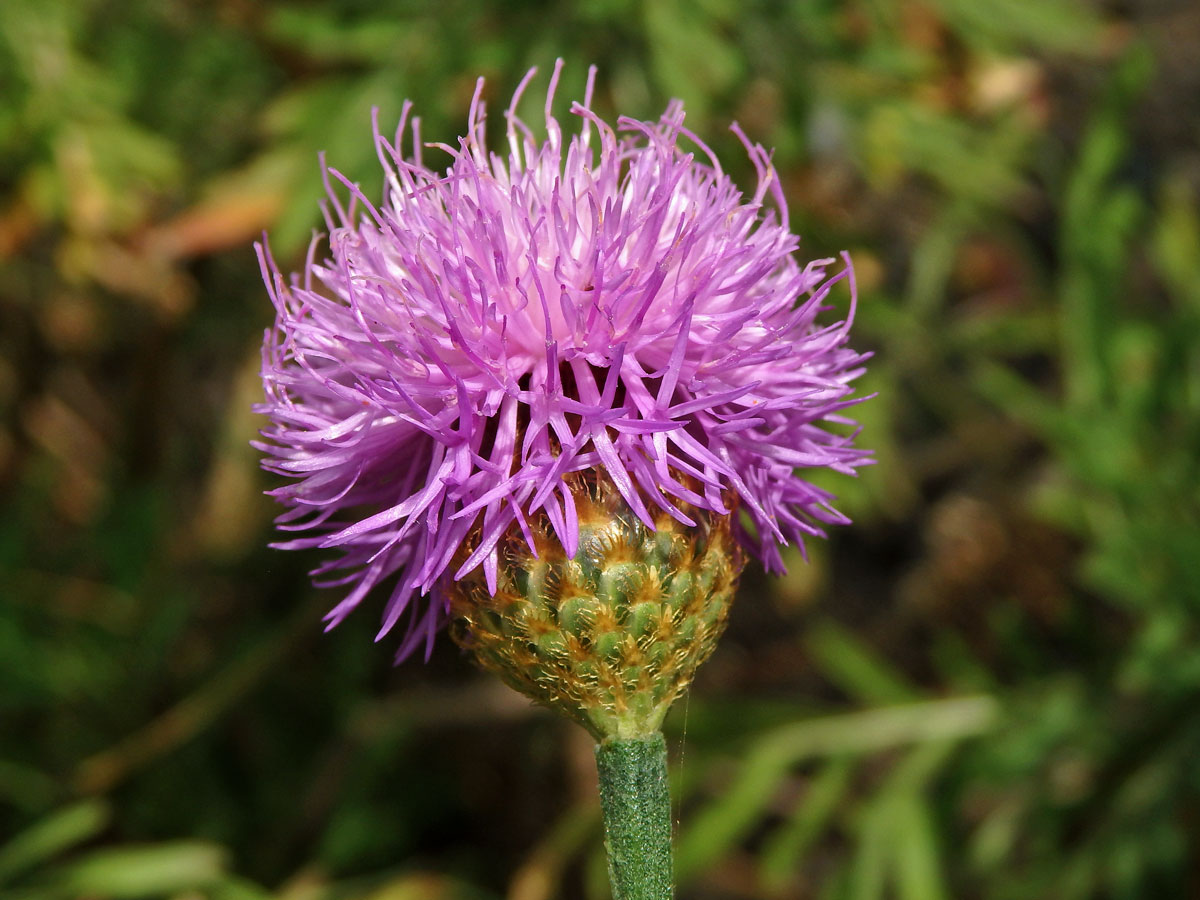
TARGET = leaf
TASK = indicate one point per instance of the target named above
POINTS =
(727, 819)
(820, 801)
(122, 872)
(917, 860)
(1003, 24)
(57, 832)
(847, 662)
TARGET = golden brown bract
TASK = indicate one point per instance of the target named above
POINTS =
(612, 637)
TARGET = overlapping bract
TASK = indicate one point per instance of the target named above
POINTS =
(605, 300)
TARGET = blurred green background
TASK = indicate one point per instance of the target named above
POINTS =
(988, 687)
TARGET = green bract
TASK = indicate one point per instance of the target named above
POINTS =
(614, 635)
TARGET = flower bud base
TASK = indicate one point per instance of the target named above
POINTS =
(614, 635)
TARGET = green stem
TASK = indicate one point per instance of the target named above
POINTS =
(636, 802)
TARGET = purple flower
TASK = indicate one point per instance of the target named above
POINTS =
(605, 300)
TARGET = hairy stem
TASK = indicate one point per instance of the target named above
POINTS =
(636, 802)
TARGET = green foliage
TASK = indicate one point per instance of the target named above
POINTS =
(988, 688)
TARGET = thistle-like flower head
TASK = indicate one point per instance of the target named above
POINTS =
(608, 302)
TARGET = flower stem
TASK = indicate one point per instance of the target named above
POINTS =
(636, 801)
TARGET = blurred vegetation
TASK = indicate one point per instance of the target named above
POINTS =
(988, 688)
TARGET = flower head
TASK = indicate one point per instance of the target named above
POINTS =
(607, 302)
